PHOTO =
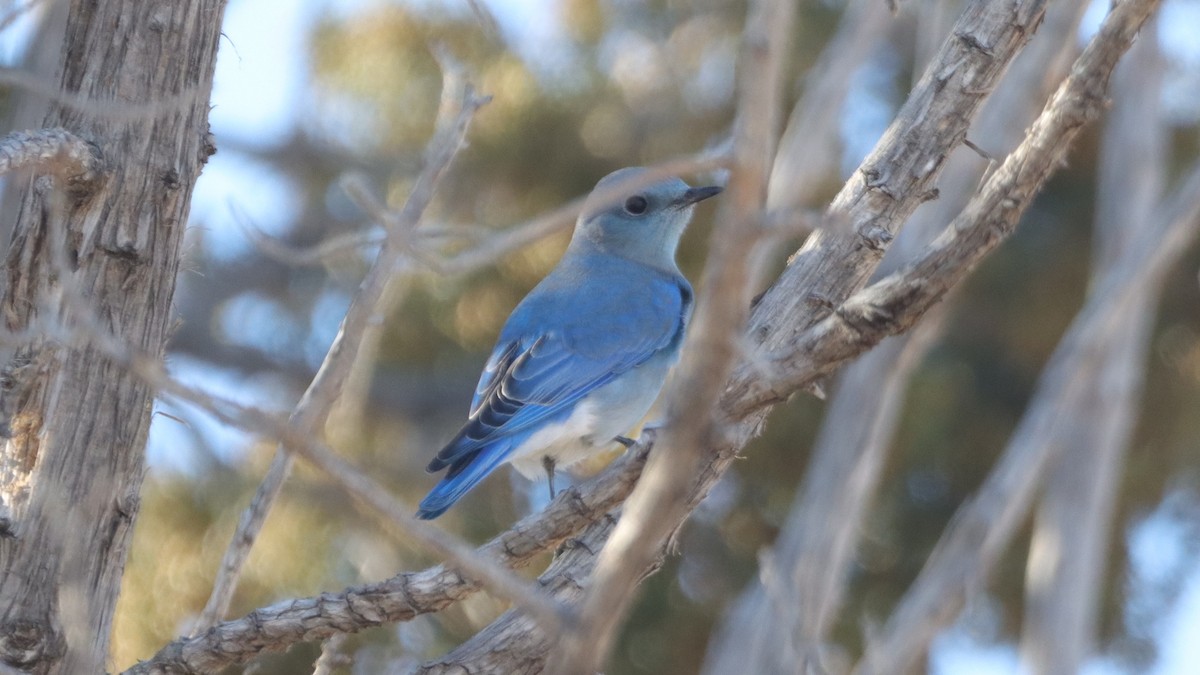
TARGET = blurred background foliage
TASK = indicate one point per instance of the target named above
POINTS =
(622, 82)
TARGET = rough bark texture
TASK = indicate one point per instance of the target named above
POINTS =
(973, 61)
(781, 623)
(76, 424)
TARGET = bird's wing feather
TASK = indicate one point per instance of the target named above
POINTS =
(532, 376)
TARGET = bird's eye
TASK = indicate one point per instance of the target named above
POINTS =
(636, 205)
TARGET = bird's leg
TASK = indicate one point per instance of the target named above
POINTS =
(548, 465)
(625, 441)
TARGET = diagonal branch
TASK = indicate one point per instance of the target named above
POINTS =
(467, 569)
(984, 525)
(785, 616)
(747, 403)
(459, 104)
(897, 302)
(659, 502)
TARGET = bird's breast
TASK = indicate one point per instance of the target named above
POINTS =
(610, 411)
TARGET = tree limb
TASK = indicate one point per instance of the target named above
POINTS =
(1067, 553)
(984, 524)
(824, 338)
(659, 502)
(783, 619)
(56, 151)
(459, 104)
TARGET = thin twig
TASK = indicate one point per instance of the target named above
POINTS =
(984, 525)
(488, 246)
(389, 512)
(660, 500)
(459, 104)
(823, 340)
(332, 656)
(785, 616)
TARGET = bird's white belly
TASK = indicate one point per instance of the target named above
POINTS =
(608, 412)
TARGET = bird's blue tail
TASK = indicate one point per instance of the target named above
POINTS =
(459, 480)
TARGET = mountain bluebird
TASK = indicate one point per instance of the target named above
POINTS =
(585, 354)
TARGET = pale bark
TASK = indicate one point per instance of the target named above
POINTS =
(897, 302)
(808, 149)
(984, 525)
(782, 621)
(458, 107)
(76, 422)
(927, 131)
(1068, 553)
(40, 61)
(659, 502)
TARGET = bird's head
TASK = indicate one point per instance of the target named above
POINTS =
(628, 215)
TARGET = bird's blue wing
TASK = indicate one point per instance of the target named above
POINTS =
(536, 375)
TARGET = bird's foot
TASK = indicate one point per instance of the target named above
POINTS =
(548, 465)
(573, 543)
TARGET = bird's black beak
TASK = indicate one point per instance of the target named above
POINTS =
(696, 194)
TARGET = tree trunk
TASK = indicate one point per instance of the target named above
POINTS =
(136, 76)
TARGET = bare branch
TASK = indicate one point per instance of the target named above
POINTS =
(402, 597)
(318, 254)
(377, 501)
(659, 502)
(984, 524)
(55, 151)
(784, 618)
(459, 104)
(899, 174)
(331, 657)
(806, 150)
(895, 303)
(489, 247)
(524, 645)
(1065, 569)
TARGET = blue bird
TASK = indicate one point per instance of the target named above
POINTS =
(584, 355)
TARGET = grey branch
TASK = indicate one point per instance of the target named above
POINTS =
(400, 598)
(987, 522)
(807, 151)
(1062, 590)
(897, 302)
(659, 502)
(479, 568)
(784, 618)
(806, 355)
(55, 151)
(459, 104)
